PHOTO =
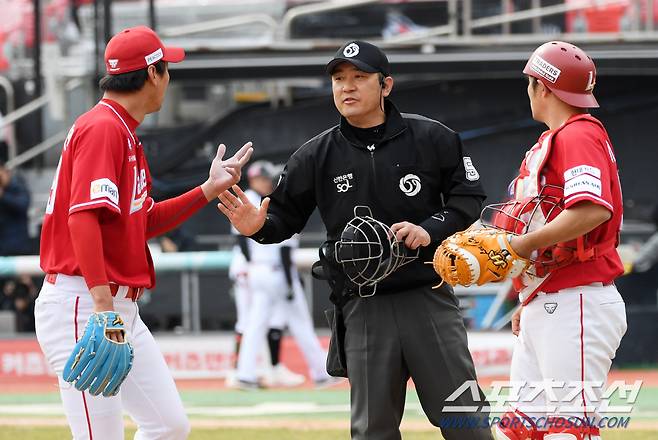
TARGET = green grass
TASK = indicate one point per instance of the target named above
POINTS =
(11, 433)
(331, 413)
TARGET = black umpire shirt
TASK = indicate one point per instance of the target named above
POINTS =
(417, 171)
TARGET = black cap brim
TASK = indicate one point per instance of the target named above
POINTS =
(358, 63)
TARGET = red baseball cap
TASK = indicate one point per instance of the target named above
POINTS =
(137, 48)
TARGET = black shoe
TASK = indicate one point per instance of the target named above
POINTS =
(248, 385)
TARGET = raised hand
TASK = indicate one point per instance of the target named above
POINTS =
(225, 173)
(243, 215)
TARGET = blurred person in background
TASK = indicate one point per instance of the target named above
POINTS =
(4, 146)
(18, 295)
(14, 204)
(24, 294)
(269, 297)
(176, 240)
(15, 240)
(647, 255)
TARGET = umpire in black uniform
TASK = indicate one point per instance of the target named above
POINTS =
(414, 174)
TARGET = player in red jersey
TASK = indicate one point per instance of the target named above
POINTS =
(573, 317)
(93, 243)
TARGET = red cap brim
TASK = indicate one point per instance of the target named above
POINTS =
(173, 54)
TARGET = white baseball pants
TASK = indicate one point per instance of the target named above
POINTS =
(148, 394)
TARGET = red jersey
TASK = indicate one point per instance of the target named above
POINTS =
(582, 161)
(102, 167)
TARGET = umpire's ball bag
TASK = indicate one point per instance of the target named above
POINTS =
(336, 359)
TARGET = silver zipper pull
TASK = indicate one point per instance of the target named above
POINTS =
(371, 148)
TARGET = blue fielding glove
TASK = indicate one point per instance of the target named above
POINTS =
(98, 363)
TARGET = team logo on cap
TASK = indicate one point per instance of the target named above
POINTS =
(351, 50)
(113, 64)
(591, 82)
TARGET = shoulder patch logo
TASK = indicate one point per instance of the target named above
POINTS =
(550, 307)
(471, 173)
(104, 188)
(351, 50)
(410, 185)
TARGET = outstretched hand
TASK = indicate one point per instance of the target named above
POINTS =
(243, 215)
(225, 172)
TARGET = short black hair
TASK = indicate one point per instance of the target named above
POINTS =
(129, 81)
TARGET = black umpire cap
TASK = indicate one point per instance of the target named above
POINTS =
(365, 56)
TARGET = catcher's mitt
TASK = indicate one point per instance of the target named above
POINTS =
(478, 256)
(98, 363)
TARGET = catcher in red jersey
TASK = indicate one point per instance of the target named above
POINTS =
(567, 211)
(94, 253)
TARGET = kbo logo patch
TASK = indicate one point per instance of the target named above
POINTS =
(410, 185)
(351, 50)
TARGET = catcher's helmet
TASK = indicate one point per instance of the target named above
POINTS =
(369, 251)
(566, 70)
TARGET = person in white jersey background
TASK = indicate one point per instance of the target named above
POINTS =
(269, 297)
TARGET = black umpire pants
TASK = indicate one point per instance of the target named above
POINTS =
(420, 334)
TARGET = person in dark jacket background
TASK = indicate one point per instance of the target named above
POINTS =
(414, 175)
(14, 204)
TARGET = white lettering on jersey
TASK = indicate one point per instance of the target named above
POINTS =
(612, 155)
(139, 190)
(581, 169)
(471, 173)
(104, 188)
(50, 206)
(583, 183)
